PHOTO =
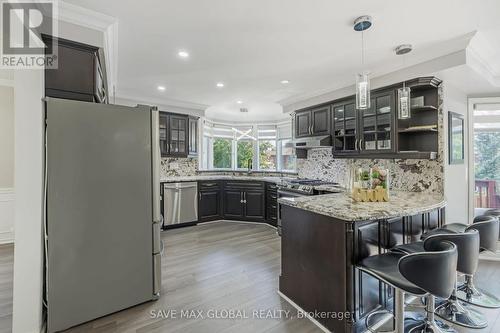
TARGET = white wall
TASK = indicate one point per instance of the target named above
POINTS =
(28, 251)
(455, 175)
(6, 162)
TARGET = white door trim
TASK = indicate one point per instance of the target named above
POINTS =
(470, 144)
(7, 210)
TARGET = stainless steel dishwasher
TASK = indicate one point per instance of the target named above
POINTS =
(180, 202)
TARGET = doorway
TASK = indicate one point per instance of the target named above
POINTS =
(484, 158)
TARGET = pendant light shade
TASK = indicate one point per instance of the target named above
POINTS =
(404, 106)
(362, 91)
(363, 99)
(404, 94)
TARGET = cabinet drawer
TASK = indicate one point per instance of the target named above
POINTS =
(208, 185)
(272, 205)
(272, 196)
(272, 187)
(244, 185)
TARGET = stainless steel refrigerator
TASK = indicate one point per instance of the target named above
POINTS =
(102, 219)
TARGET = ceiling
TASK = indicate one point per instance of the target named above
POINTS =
(253, 45)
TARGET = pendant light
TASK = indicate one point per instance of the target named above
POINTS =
(363, 23)
(404, 94)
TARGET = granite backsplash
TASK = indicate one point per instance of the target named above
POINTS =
(183, 167)
(178, 167)
(406, 175)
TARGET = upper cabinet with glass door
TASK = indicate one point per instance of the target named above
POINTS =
(178, 135)
(345, 127)
(377, 124)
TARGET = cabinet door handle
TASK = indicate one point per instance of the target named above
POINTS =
(241, 197)
(356, 144)
(360, 144)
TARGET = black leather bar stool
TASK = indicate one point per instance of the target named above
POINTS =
(428, 274)
(494, 212)
(488, 227)
(467, 244)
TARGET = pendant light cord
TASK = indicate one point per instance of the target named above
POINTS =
(363, 50)
(404, 64)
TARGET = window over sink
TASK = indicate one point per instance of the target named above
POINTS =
(265, 147)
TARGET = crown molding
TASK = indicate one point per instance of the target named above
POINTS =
(165, 102)
(480, 56)
(85, 17)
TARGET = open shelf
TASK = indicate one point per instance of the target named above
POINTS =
(432, 128)
(424, 108)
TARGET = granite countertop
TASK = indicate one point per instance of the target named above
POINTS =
(269, 179)
(341, 206)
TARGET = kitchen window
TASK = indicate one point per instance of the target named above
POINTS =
(244, 149)
(287, 159)
(266, 147)
(222, 153)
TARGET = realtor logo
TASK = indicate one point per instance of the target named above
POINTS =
(23, 23)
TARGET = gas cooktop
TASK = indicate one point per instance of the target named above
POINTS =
(306, 186)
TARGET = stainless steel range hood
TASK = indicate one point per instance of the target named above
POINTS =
(313, 142)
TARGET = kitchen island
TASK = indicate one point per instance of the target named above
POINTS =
(324, 236)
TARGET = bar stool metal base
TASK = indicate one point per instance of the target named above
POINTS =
(427, 324)
(456, 313)
(431, 327)
(380, 322)
(472, 295)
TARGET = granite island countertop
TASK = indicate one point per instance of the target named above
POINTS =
(341, 206)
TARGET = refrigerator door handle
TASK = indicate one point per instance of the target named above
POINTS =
(155, 152)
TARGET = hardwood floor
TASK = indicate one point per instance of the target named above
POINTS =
(215, 266)
(6, 276)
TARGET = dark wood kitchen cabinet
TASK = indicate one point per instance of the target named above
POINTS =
(377, 132)
(80, 73)
(178, 135)
(364, 132)
(209, 201)
(174, 131)
(244, 200)
(313, 122)
(376, 128)
(193, 136)
(272, 204)
(233, 204)
(345, 127)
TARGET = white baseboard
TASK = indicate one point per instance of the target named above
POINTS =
(7, 210)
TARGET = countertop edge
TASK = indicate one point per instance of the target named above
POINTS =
(345, 217)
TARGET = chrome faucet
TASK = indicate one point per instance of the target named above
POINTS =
(250, 166)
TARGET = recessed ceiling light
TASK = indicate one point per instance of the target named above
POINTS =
(220, 84)
(161, 88)
(239, 102)
(183, 54)
(285, 82)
